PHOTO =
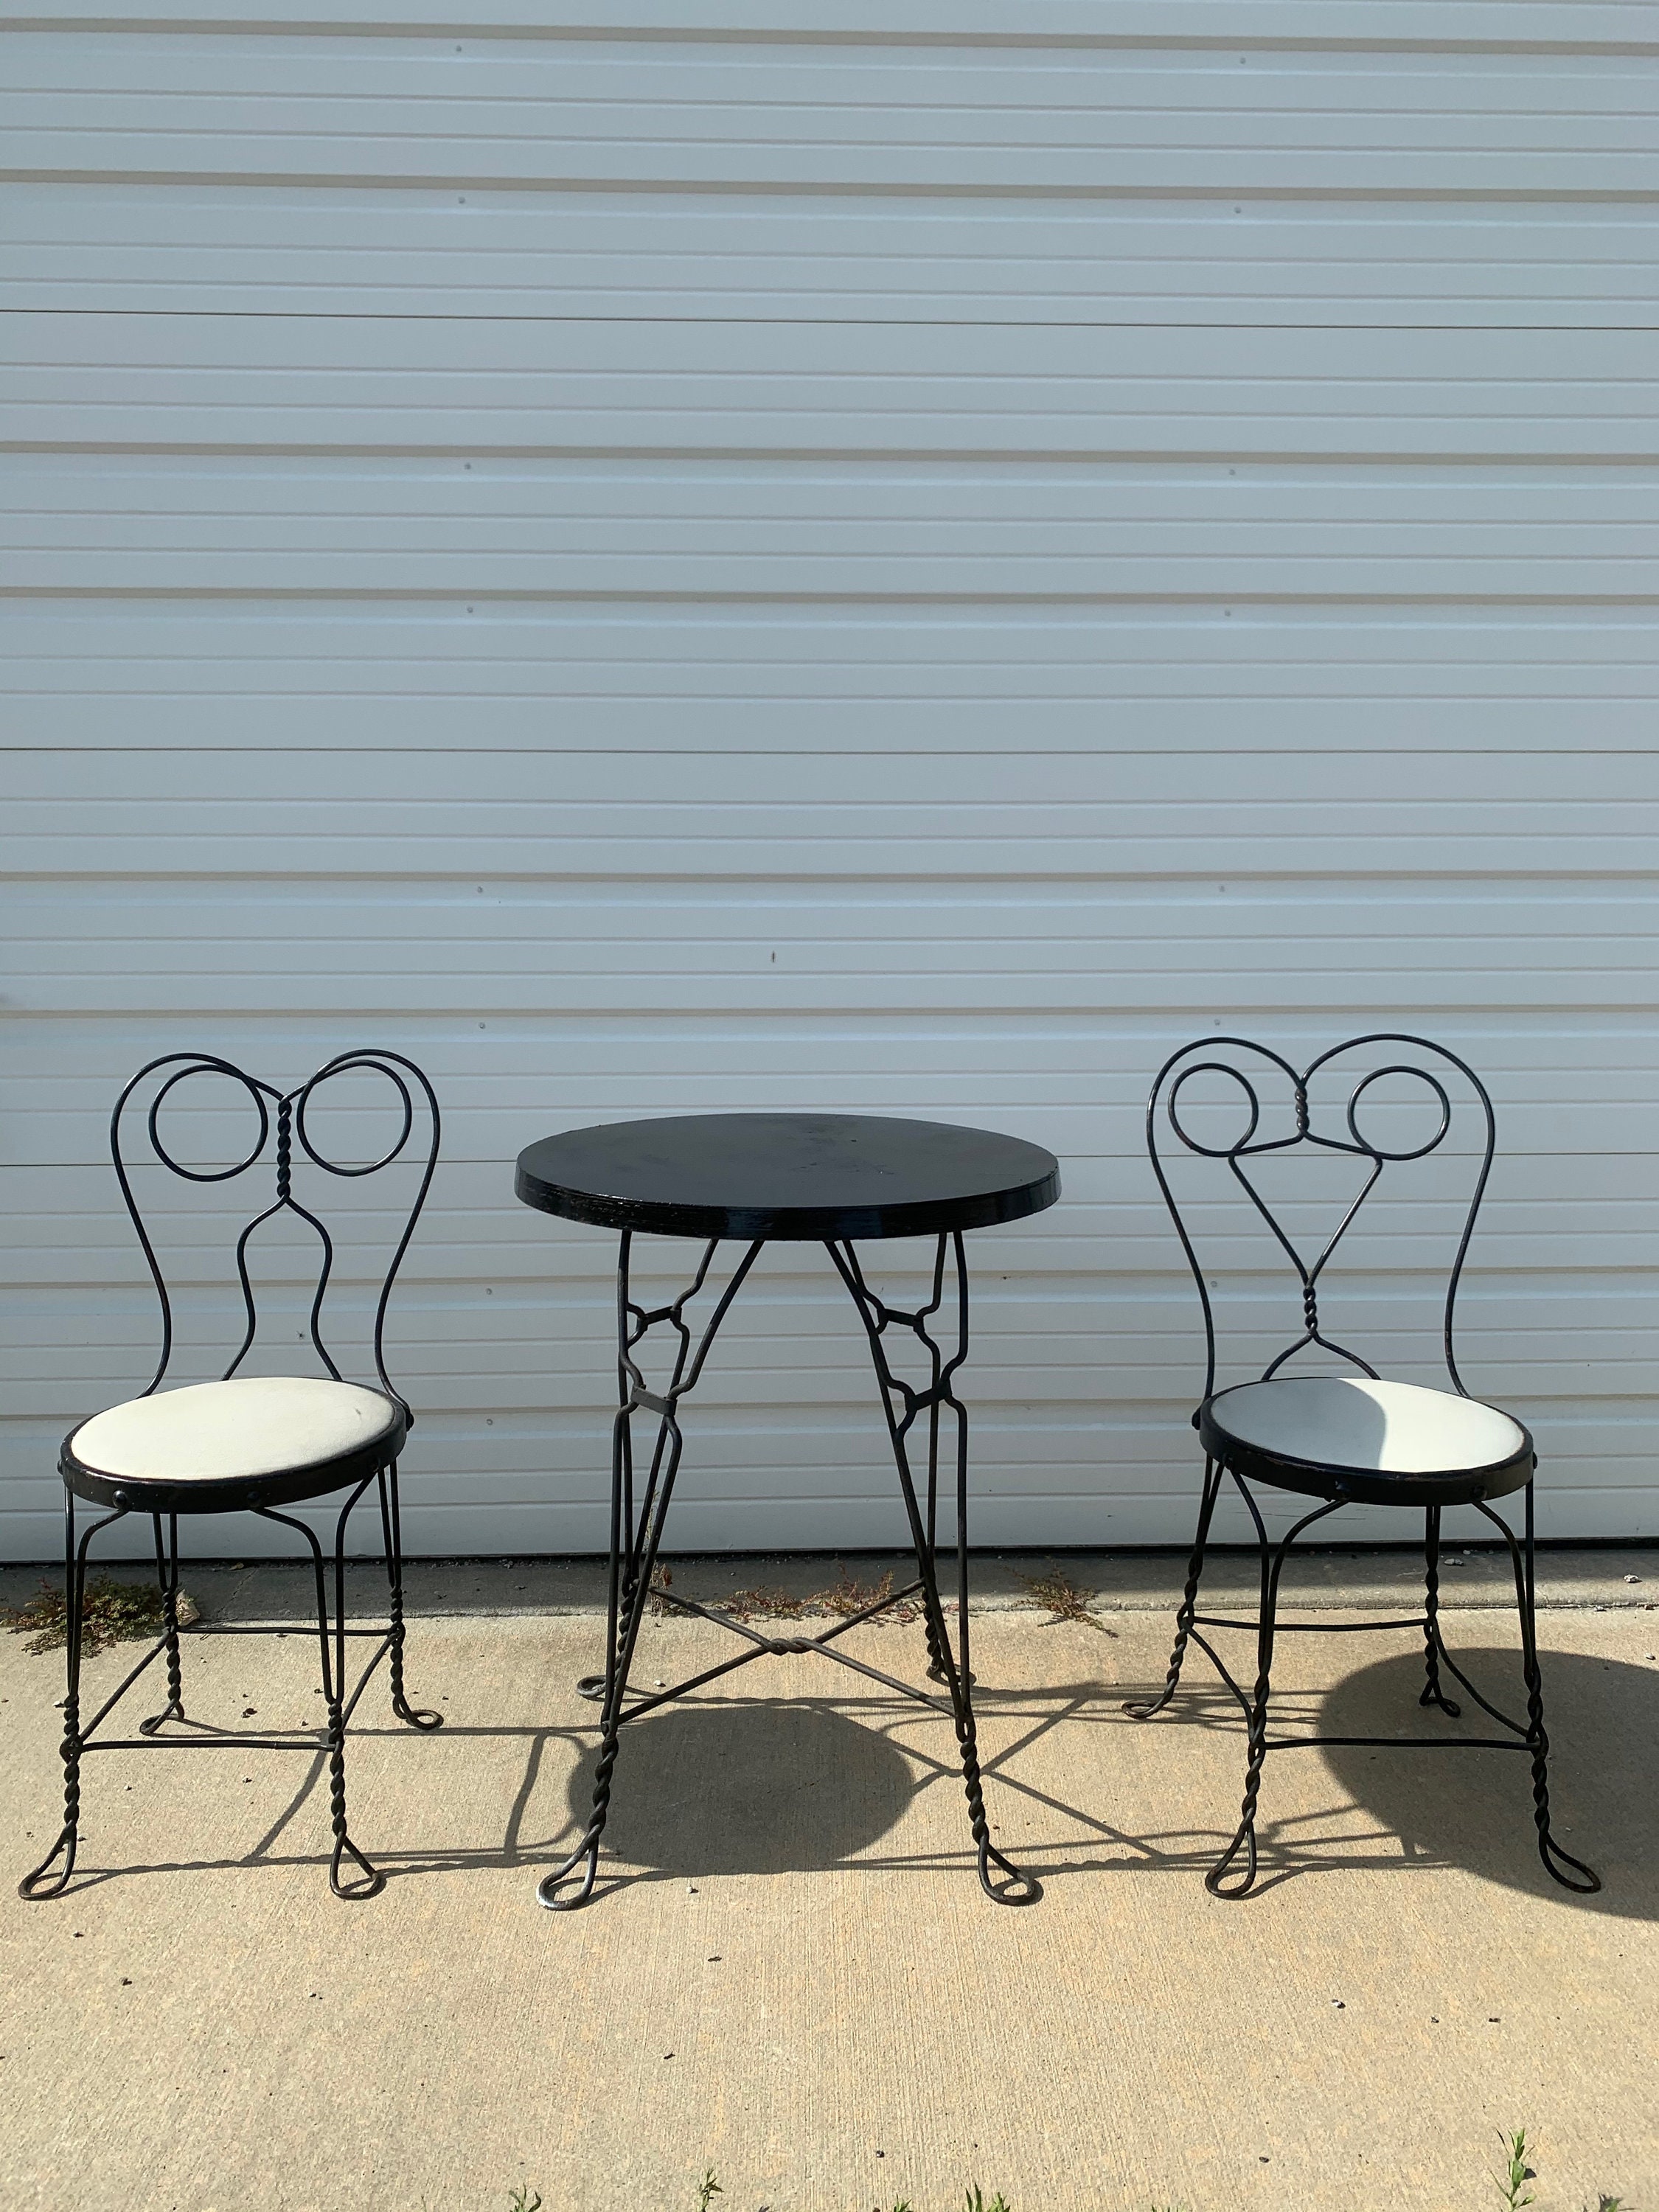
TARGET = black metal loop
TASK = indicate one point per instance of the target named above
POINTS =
(290, 1118)
(346, 1064)
(205, 1066)
(1381, 1151)
(1202, 1057)
(1238, 1076)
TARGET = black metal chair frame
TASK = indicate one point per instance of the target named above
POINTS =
(637, 1520)
(375, 1464)
(1226, 1459)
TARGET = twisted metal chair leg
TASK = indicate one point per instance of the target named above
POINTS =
(1141, 1709)
(370, 1880)
(1559, 1864)
(415, 1716)
(167, 1573)
(1221, 1882)
(1432, 1692)
(43, 1882)
(1218, 1881)
(331, 1649)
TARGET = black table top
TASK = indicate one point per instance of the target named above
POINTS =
(787, 1176)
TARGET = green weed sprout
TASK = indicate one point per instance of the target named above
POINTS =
(1517, 2172)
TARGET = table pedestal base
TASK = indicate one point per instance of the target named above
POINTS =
(638, 1517)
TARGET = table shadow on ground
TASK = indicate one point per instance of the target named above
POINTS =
(758, 1788)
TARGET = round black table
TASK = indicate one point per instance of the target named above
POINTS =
(753, 1179)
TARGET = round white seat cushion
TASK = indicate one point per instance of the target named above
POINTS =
(1385, 1428)
(223, 1431)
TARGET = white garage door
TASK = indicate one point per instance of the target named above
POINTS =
(900, 558)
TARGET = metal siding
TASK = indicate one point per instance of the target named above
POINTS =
(746, 562)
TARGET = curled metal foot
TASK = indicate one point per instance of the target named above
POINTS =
(1016, 1888)
(938, 1675)
(1556, 1862)
(1434, 1695)
(585, 1855)
(1216, 1880)
(591, 1686)
(173, 1710)
(369, 1882)
(415, 1716)
(34, 1888)
(1142, 1709)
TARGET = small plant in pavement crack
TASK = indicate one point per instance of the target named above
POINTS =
(111, 1613)
(1510, 2183)
(1517, 2172)
(1064, 1599)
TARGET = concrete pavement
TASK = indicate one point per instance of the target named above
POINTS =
(791, 1975)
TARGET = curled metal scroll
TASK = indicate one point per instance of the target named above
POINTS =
(1218, 1056)
(285, 1112)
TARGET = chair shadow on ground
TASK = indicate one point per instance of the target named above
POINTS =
(734, 1785)
(1474, 1809)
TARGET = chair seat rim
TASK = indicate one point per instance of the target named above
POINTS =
(1369, 1485)
(238, 1493)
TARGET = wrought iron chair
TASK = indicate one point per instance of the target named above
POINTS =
(247, 1443)
(1346, 1439)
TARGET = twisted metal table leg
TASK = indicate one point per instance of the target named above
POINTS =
(1432, 1692)
(951, 1667)
(629, 1589)
(1143, 1709)
(635, 1534)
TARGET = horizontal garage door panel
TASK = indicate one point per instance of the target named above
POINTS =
(935, 116)
(314, 676)
(873, 532)
(376, 384)
(226, 248)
